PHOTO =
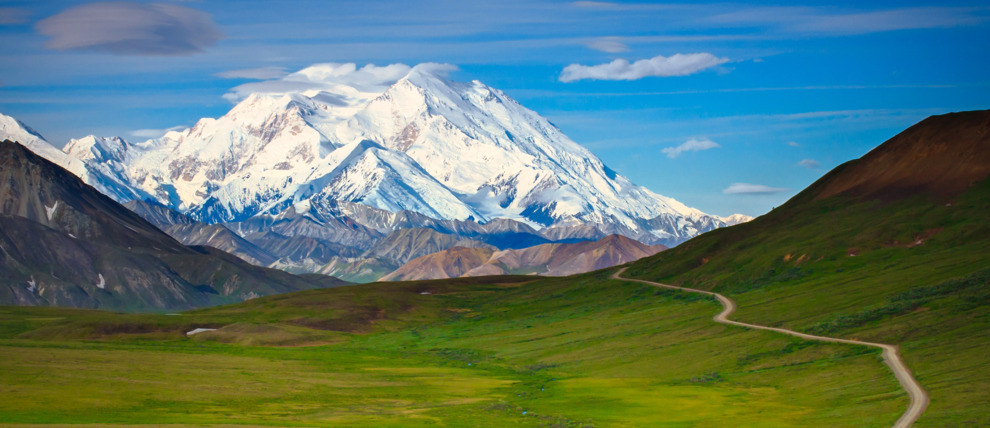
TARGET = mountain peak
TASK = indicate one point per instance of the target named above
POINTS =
(15, 130)
(393, 138)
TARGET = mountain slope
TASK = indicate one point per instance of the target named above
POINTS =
(406, 244)
(423, 144)
(546, 259)
(940, 157)
(66, 244)
(888, 248)
(191, 232)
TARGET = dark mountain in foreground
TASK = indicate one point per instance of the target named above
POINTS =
(65, 244)
(188, 231)
(557, 259)
(892, 247)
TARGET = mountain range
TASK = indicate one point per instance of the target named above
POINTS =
(887, 249)
(424, 145)
(312, 181)
(556, 259)
(63, 243)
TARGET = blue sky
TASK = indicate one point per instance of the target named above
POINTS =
(743, 105)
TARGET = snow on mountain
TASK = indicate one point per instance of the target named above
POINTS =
(97, 161)
(735, 219)
(393, 138)
(14, 130)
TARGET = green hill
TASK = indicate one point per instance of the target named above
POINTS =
(892, 248)
(851, 260)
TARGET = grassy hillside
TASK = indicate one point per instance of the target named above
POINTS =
(850, 257)
(858, 256)
(580, 351)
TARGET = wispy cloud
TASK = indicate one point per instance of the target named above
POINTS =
(821, 21)
(13, 15)
(608, 44)
(343, 79)
(261, 73)
(810, 164)
(659, 66)
(128, 28)
(607, 5)
(793, 144)
(692, 145)
(751, 189)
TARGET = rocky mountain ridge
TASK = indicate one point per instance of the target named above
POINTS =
(63, 243)
(424, 148)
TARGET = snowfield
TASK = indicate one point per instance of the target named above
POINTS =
(421, 143)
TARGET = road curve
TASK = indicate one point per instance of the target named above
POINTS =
(919, 398)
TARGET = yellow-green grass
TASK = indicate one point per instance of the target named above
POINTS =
(94, 385)
(912, 273)
(579, 351)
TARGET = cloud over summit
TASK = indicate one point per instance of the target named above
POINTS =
(339, 78)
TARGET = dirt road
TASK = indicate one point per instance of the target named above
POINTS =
(919, 398)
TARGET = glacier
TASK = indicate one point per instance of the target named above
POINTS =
(422, 145)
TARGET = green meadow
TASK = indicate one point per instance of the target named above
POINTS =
(510, 351)
(580, 351)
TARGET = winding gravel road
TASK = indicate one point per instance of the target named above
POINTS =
(919, 398)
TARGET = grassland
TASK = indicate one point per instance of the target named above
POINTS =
(911, 272)
(577, 351)
(580, 351)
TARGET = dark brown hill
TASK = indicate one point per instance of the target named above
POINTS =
(939, 156)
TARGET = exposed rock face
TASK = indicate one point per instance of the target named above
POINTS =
(406, 244)
(546, 259)
(64, 243)
(191, 232)
(435, 149)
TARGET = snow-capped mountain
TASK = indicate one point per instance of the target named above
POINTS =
(420, 143)
(97, 161)
(735, 219)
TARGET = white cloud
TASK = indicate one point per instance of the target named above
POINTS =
(662, 66)
(129, 28)
(793, 144)
(339, 78)
(155, 133)
(810, 164)
(261, 73)
(692, 145)
(608, 44)
(751, 189)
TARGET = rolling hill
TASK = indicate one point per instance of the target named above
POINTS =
(864, 263)
(891, 248)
